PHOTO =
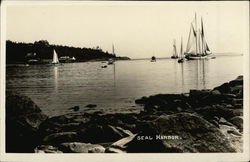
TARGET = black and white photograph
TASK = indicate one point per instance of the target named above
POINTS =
(125, 77)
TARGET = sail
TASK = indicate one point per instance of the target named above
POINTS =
(55, 58)
(175, 54)
(181, 50)
(113, 49)
(197, 44)
(191, 45)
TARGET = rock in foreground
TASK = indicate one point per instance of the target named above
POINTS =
(23, 118)
(201, 121)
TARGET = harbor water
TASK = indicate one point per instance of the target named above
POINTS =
(114, 89)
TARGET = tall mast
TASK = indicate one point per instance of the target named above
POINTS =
(199, 41)
(175, 52)
(202, 37)
(196, 35)
(113, 49)
(181, 48)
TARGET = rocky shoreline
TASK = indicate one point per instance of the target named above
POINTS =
(202, 121)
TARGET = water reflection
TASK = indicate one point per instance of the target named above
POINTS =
(114, 74)
(114, 89)
(56, 78)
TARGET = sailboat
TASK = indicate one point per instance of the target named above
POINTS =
(111, 61)
(175, 55)
(197, 47)
(181, 59)
(55, 58)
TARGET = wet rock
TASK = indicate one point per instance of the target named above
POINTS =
(208, 112)
(78, 147)
(121, 145)
(224, 88)
(63, 123)
(142, 100)
(225, 122)
(23, 118)
(234, 136)
(91, 105)
(190, 133)
(125, 121)
(237, 89)
(47, 149)
(75, 108)
(95, 133)
(165, 102)
(215, 93)
(61, 137)
(238, 122)
(237, 81)
(236, 101)
(198, 94)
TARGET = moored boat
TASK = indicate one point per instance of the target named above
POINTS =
(175, 54)
(181, 59)
(197, 47)
(153, 59)
(55, 60)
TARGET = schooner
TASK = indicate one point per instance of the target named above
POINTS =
(197, 47)
(175, 54)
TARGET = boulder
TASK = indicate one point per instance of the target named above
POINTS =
(238, 122)
(224, 88)
(223, 121)
(198, 94)
(95, 133)
(47, 149)
(234, 136)
(23, 118)
(121, 145)
(237, 81)
(63, 123)
(75, 108)
(182, 132)
(61, 137)
(208, 112)
(78, 147)
(91, 105)
(164, 102)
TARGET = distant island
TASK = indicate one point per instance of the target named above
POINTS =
(42, 52)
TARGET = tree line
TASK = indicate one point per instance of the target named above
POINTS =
(20, 52)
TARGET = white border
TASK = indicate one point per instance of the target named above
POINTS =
(143, 157)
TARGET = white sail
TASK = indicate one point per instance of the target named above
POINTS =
(181, 50)
(175, 54)
(55, 58)
(191, 44)
(113, 49)
(197, 45)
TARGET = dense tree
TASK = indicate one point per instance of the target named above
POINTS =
(19, 52)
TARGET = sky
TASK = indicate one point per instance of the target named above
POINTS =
(137, 29)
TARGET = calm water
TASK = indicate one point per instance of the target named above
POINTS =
(113, 89)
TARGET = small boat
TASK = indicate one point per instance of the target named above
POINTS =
(181, 59)
(110, 61)
(67, 59)
(197, 47)
(175, 55)
(153, 59)
(104, 66)
(55, 60)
